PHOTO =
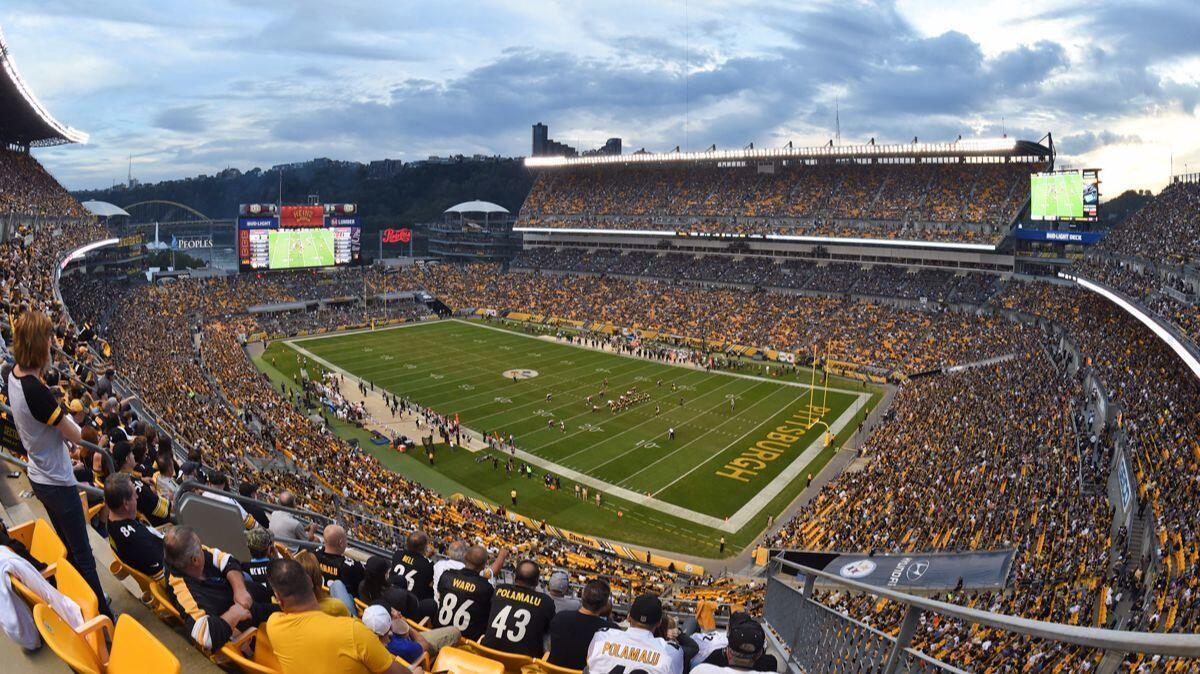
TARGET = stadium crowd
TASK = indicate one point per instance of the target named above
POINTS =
(964, 202)
(935, 285)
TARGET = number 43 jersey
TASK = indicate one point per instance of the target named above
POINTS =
(519, 620)
(633, 651)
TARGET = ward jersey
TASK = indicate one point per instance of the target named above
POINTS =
(412, 572)
(519, 620)
(616, 651)
(466, 600)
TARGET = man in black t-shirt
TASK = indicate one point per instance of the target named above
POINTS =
(571, 632)
(466, 596)
(136, 544)
(156, 509)
(520, 615)
(410, 568)
(335, 565)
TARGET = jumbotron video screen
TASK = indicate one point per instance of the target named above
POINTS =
(297, 237)
(1064, 195)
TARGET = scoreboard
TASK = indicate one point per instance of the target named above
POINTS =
(317, 236)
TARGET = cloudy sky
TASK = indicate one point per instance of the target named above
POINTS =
(191, 87)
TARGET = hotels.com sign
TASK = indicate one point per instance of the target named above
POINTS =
(403, 235)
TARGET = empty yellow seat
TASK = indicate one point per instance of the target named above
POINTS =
(545, 666)
(42, 541)
(458, 661)
(512, 662)
(134, 649)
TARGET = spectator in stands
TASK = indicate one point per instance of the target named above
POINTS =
(210, 591)
(466, 596)
(559, 588)
(283, 524)
(330, 605)
(165, 482)
(571, 632)
(156, 509)
(45, 430)
(456, 552)
(411, 569)
(262, 549)
(430, 641)
(306, 639)
(636, 648)
(134, 543)
(520, 615)
(342, 574)
(249, 489)
(219, 480)
(713, 646)
(747, 644)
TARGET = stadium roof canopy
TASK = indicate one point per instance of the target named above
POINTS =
(477, 207)
(962, 148)
(23, 120)
(103, 209)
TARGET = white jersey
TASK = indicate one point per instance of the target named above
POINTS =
(713, 669)
(441, 566)
(709, 643)
(616, 651)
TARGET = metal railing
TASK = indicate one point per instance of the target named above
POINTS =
(817, 638)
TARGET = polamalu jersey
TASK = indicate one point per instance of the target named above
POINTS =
(340, 567)
(519, 620)
(466, 601)
(414, 573)
(616, 651)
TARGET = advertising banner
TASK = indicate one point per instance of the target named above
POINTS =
(916, 571)
(302, 216)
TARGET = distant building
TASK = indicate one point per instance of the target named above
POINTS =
(544, 146)
(384, 168)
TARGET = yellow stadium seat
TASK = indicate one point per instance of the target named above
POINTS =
(548, 668)
(134, 649)
(42, 541)
(72, 584)
(512, 662)
(263, 660)
(458, 661)
(122, 571)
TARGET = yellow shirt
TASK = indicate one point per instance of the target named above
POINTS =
(333, 607)
(313, 641)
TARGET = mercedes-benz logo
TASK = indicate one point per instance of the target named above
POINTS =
(916, 569)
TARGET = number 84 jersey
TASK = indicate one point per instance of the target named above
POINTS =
(519, 621)
(633, 651)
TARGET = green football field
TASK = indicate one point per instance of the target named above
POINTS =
(743, 443)
(1056, 195)
(288, 249)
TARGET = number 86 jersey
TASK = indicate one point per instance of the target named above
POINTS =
(633, 651)
(466, 598)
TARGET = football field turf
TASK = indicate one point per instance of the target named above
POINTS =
(290, 249)
(742, 446)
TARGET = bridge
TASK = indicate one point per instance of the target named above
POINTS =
(172, 217)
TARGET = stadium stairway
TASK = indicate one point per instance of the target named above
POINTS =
(18, 661)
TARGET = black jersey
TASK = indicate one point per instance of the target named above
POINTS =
(414, 573)
(153, 507)
(138, 546)
(340, 567)
(519, 620)
(466, 600)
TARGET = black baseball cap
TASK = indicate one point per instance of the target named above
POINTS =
(738, 617)
(646, 609)
(747, 638)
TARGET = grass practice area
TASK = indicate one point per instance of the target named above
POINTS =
(742, 446)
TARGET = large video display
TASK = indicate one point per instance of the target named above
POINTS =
(1065, 195)
(297, 237)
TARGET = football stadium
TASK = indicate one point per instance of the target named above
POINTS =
(927, 406)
